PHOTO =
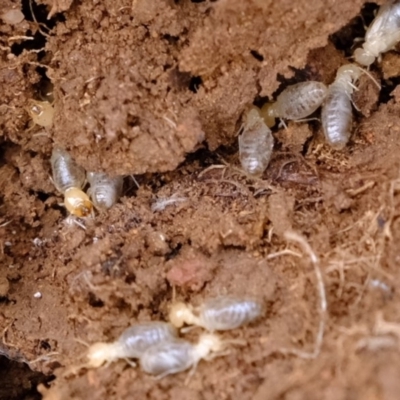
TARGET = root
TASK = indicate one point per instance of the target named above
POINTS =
(16, 38)
(355, 192)
(39, 25)
(4, 337)
(239, 186)
(210, 168)
(295, 237)
(284, 252)
(44, 357)
(162, 204)
(384, 335)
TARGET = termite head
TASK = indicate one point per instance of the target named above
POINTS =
(208, 343)
(268, 113)
(77, 202)
(252, 117)
(179, 314)
(99, 353)
(364, 57)
(41, 112)
(350, 72)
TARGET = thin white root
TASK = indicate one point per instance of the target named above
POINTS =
(295, 237)
(82, 342)
(14, 38)
(211, 167)
(383, 327)
(44, 357)
(169, 121)
(284, 252)
(5, 223)
(163, 203)
(135, 181)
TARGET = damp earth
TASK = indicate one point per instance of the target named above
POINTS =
(156, 91)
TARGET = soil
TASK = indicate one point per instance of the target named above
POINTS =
(157, 89)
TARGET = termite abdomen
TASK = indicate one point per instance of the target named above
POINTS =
(298, 101)
(104, 190)
(66, 173)
(255, 144)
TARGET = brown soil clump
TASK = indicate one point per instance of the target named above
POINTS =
(158, 89)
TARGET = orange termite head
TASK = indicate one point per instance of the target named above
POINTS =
(77, 202)
(41, 112)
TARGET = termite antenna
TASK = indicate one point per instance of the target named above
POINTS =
(353, 86)
(295, 237)
(364, 71)
(81, 341)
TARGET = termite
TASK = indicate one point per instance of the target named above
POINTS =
(336, 112)
(171, 357)
(132, 343)
(69, 179)
(217, 314)
(105, 190)
(255, 144)
(382, 35)
(41, 112)
(296, 102)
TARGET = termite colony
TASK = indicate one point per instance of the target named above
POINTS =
(300, 100)
(69, 179)
(158, 346)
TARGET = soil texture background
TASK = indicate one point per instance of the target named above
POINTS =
(157, 91)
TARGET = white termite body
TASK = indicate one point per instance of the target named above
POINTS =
(298, 101)
(217, 314)
(66, 173)
(382, 35)
(255, 144)
(337, 114)
(132, 343)
(105, 190)
(171, 357)
(69, 178)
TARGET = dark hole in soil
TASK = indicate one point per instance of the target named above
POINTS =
(307, 144)
(40, 12)
(44, 88)
(94, 301)
(174, 252)
(355, 29)
(204, 156)
(195, 83)
(171, 39)
(41, 196)
(300, 75)
(18, 381)
(130, 278)
(257, 55)
(45, 345)
(387, 87)
(132, 120)
(38, 42)
(259, 101)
